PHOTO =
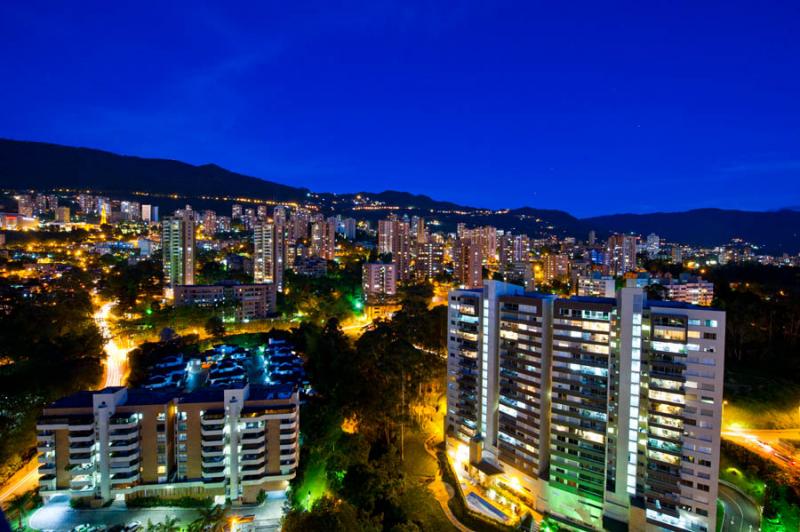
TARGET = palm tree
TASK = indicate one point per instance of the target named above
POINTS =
(219, 519)
(18, 505)
(211, 519)
(170, 524)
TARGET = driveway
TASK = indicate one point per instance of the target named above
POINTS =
(58, 516)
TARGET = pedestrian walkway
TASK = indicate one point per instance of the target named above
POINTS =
(442, 491)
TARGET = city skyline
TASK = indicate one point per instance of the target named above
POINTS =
(399, 266)
(415, 98)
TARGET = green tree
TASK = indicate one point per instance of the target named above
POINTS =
(215, 327)
(19, 505)
(330, 515)
(211, 519)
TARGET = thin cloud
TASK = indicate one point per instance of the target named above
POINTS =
(766, 166)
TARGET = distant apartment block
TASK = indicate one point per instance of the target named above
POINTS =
(621, 254)
(310, 266)
(429, 259)
(689, 289)
(468, 263)
(178, 249)
(394, 236)
(250, 301)
(63, 215)
(555, 267)
(378, 280)
(120, 442)
(323, 238)
(604, 413)
(264, 253)
(597, 285)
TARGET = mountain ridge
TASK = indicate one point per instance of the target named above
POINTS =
(43, 165)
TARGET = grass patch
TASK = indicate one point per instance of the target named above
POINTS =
(315, 482)
(743, 477)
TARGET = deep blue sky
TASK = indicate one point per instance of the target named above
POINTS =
(589, 107)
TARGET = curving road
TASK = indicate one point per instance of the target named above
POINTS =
(116, 367)
(741, 514)
(766, 443)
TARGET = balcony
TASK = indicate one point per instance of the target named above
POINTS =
(81, 469)
(125, 467)
(214, 472)
(123, 422)
(254, 469)
(46, 447)
(253, 448)
(80, 481)
(286, 434)
(124, 434)
(125, 478)
(211, 433)
(252, 437)
(47, 468)
(46, 436)
(212, 450)
(81, 424)
(211, 462)
(253, 458)
(81, 437)
(47, 482)
(80, 458)
(124, 456)
(288, 453)
(123, 446)
(81, 446)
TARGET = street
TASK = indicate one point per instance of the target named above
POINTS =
(116, 356)
(57, 515)
(741, 514)
(766, 444)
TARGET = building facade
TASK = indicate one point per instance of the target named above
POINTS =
(394, 237)
(378, 280)
(600, 412)
(264, 253)
(621, 254)
(177, 247)
(468, 263)
(226, 443)
(250, 301)
(689, 289)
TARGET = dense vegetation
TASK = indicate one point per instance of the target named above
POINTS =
(352, 480)
(49, 347)
(317, 299)
(776, 488)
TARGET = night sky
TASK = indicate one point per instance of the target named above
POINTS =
(591, 107)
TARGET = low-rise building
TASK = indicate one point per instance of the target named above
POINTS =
(224, 443)
(689, 289)
(251, 301)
